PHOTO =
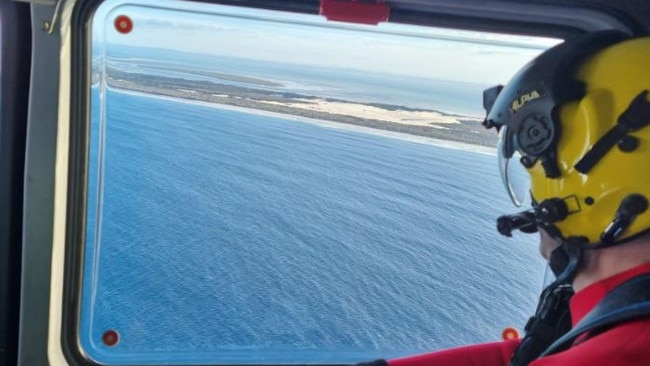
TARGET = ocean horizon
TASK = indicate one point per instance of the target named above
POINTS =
(363, 86)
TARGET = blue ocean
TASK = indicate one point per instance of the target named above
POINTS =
(221, 235)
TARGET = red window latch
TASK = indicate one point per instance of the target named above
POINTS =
(355, 11)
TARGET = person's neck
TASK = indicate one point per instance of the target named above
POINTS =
(599, 264)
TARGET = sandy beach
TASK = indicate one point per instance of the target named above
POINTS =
(405, 117)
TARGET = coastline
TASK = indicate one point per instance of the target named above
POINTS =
(418, 124)
(491, 150)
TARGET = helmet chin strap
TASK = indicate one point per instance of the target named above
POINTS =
(564, 262)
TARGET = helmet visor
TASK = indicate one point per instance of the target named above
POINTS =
(513, 173)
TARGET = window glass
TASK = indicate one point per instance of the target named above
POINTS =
(267, 187)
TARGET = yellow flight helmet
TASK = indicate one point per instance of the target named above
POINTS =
(577, 117)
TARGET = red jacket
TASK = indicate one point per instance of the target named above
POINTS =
(624, 344)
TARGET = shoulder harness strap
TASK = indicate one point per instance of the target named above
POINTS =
(628, 301)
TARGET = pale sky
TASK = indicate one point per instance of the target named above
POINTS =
(311, 40)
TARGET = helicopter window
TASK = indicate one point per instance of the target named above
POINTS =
(267, 187)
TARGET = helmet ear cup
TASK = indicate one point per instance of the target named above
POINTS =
(536, 134)
(537, 138)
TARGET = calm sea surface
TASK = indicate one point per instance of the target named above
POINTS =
(220, 235)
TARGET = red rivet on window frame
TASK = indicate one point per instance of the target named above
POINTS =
(123, 24)
(110, 337)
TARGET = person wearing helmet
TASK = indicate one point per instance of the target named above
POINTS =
(574, 121)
